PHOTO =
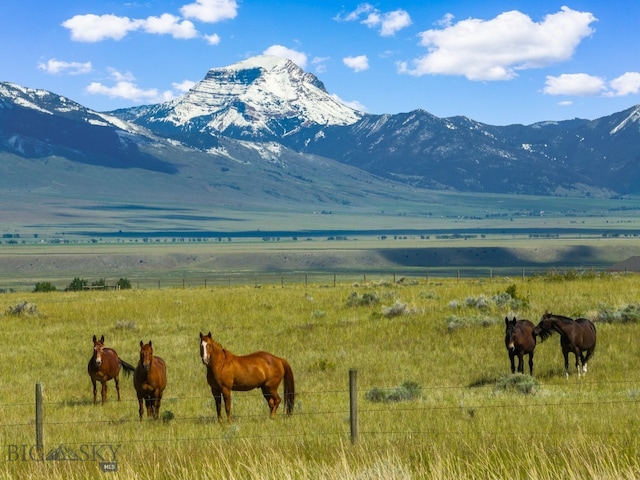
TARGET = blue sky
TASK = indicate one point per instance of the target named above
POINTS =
(496, 61)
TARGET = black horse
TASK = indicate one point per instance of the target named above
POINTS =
(577, 336)
(520, 341)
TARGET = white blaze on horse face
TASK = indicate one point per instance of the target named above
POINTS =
(98, 355)
(205, 353)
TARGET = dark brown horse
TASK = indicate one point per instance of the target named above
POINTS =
(103, 366)
(520, 341)
(150, 380)
(227, 372)
(576, 336)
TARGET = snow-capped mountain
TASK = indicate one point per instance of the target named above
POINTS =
(264, 98)
(268, 108)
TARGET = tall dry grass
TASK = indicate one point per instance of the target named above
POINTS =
(445, 336)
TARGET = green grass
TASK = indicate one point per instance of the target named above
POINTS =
(465, 416)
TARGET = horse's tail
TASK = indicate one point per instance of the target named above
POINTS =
(128, 368)
(289, 388)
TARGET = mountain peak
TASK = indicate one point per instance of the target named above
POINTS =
(261, 97)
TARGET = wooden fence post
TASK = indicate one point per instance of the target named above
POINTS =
(353, 404)
(39, 420)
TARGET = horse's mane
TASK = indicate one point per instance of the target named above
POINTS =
(547, 333)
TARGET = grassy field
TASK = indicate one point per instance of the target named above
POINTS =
(435, 395)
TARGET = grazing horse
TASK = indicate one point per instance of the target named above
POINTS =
(103, 366)
(577, 336)
(150, 380)
(520, 341)
(227, 372)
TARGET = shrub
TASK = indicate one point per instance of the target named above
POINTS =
(518, 382)
(22, 308)
(628, 314)
(76, 284)
(123, 284)
(395, 310)
(367, 299)
(44, 287)
(407, 391)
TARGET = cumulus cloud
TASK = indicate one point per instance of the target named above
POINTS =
(212, 39)
(167, 24)
(496, 49)
(388, 22)
(626, 84)
(126, 88)
(295, 56)
(95, 28)
(357, 64)
(56, 67)
(356, 105)
(575, 84)
(583, 85)
(183, 86)
(211, 11)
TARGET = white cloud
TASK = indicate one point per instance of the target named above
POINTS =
(183, 86)
(583, 85)
(171, 25)
(357, 64)
(56, 67)
(626, 84)
(576, 84)
(95, 28)
(389, 22)
(356, 105)
(496, 49)
(126, 88)
(296, 57)
(211, 11)
(212, 39)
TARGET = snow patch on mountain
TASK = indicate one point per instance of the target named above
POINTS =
(262, 94)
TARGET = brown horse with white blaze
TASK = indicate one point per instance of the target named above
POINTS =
(104, 365)
(227, 372)
(520, 341)
(150, 380)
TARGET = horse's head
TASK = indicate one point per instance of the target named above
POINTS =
(98, 346)
(206, 348)
(146, 354)
(510, 326)
(545, 327)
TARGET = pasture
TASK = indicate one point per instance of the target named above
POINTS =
(442, 337)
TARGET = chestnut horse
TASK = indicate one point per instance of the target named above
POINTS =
(520, 341)
(103, 366)
(227, 372)
(150, 380)
(577, 336)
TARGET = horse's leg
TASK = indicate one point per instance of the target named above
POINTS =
(95, 391)
(140, 406)
(117, 380)
(156, 406)
(272, 398)
(511, 358)
(103, 392)
(531, 364)
(565, 354)
(149, 402)
(226, 394)
(217, 396)
(520, 362)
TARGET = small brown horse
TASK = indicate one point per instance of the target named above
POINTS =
(103, 366)
(520, 341)
(577, 336)
(150, 380)
(227, 372)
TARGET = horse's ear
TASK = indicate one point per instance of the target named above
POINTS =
(209, 334)
(506, 320)
(141, 343)
(150, 344)
(102, 339)
(514, 319)
(201, 335)
(94, 339)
